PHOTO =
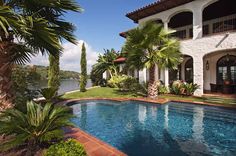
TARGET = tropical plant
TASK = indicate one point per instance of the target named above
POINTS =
(66, 148)
(96, 78)
(115, 81)
(48, 93)
(163, 89)
(83, 64)
(26, 29)
(105, 63)
(177, 87)
(129, 84)
(150, 45)
(38, 126)
(190, 88)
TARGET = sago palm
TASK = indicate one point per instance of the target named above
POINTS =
(150, 45)
(25, 30)
(37, 126)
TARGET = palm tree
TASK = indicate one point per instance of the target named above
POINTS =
(25, 31)
(37, 127)
(151, 45)
(105, 62)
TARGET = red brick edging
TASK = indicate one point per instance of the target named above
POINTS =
(92, 145)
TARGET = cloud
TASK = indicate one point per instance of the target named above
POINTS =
(70, 59)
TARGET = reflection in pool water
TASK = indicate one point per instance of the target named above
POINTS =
(141, 129)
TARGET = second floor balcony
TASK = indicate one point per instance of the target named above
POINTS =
(210, 27)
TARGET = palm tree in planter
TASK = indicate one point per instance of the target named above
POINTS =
(26, 31)
(150, 45)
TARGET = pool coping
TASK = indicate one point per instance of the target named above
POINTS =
(92, 145)
(154, 101)
(96, 147)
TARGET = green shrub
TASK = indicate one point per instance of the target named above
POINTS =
(163, 89)
(177, 87)
(129, 84)
(66, 148)
(115, 81)
(37, 127)
(190, 88)
(48, 93)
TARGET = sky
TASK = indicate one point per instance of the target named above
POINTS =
(98, 26)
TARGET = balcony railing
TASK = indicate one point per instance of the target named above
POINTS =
(218, 25)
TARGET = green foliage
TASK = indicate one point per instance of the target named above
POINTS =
(151, 45)
(38, 126)
(83, 64)
(129, 84)
(163, 89)
(48, 93)
(96, 78)
(190, 88)
(66, 148)
(177, 87)
(115, 81)
(183, 88)
(54, 72)
(23, 80)
(105, 62)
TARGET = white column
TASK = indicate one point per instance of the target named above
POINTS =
(166, 77)
(198, 74)
(166, 24)
(143, 75)
(197, 23)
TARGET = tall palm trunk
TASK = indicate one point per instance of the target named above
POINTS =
(6, 95)
(152, 85)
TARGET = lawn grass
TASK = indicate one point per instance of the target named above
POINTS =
(179, 97)
(101, 92)
(106, 92)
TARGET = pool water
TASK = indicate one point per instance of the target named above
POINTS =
(145, 129)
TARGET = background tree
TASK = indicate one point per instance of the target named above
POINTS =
(105, 63)
(54, 72)
(83, 64)
(149, 46)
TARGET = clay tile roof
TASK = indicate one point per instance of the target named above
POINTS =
(155, 7)
(120, 59)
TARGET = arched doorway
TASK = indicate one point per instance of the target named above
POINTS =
(188, 70)
(226, 69)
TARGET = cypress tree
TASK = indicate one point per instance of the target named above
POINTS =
(54, 71)
(83, 65)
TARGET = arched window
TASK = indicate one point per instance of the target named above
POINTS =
(189, 71)
(226, 69)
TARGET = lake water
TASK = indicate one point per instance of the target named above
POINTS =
(66, 85)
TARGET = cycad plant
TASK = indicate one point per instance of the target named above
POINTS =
(40, 125)
(150, 45)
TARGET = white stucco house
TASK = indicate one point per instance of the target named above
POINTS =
(207, 32)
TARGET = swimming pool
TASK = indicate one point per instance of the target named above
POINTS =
(145, 129)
